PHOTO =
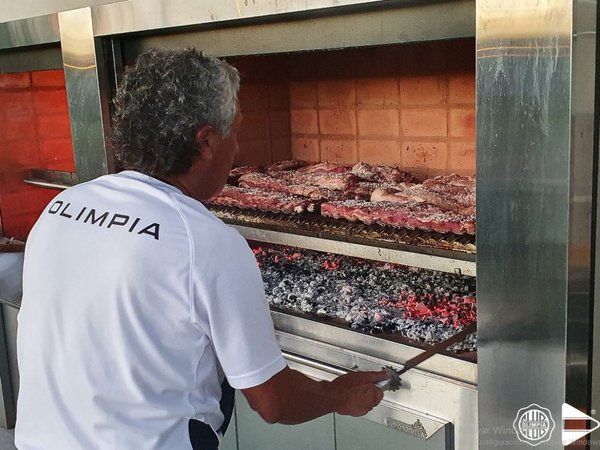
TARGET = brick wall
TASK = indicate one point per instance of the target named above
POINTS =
(34, 133)
(407, 105)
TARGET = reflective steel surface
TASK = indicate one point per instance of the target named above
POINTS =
(33, 31)
(87, 91)
(441, 404)
(405, 23)
(535, 95)
(138, 15)
(407, 258)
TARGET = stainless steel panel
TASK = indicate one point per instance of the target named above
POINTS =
(143, 15)
(33, 31)
(344, 348)
(29, 8)
(534, 134)
(405, 23)
(11, 290)
(31, 58)
(360, 251)
(253, 433)
(87, 93)
(435, 401)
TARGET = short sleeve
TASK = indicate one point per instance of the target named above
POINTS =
(230, 304)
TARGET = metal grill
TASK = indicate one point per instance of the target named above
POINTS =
(343, 230)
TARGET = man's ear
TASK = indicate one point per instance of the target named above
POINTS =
(202, 137)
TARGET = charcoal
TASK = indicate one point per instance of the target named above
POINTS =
(421, 305)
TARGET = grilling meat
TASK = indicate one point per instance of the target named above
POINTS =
(326, 168)
(269, 183)
(342, 181)
(249, 198)
(381, 174)
(293, 164)
(411, 215)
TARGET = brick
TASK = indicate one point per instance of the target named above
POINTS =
(423, 90)
(303, 94)
(16, 103)
(379, 151)
(304, 121)
(339, 151)
(428, 155)
(50, 102)
(19, 226)
(64, 165)
(279, 122)
(45, 78)
(305, 148)
(378, 92)
(461, 89)
(21, 202)
(424, 122)
(279, 96)
(15, 80)
(254, 125)
(53, 126)
(337, 121)
(23, 153)
(281, 149)
(462, 122)
(11, 179)
(378, 122)
(336, 93)
(253, 97)
(256, 152)
(55, 150)
(462, 157)
(15, 127)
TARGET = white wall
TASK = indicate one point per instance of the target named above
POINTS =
(21, 9)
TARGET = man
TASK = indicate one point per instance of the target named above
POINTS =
(139, 305)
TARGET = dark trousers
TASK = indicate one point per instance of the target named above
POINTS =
(202, 437)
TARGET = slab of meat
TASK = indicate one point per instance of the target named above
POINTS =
(342, 181)
(270, 183)
(418, 193)
(237, 172)
(277, 202)
(451, 180)
(411, 215)
(326, 168)
(292, 164)
(381, 174)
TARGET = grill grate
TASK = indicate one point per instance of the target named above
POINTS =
(338, 229)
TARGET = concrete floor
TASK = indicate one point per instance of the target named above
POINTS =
(7, 439)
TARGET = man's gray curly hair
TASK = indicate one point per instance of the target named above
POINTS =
(161, 102)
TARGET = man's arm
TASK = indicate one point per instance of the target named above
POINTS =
(290, 397)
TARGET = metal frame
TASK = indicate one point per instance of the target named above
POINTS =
(408, 258)
(535, 134)
(431, 391)
(87, 93)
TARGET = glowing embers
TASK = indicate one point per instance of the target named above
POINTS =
(421, 305)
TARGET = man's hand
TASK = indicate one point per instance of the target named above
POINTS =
(359, 393)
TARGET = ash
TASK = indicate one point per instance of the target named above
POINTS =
(421, 305)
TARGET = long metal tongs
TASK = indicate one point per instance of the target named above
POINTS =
(394, 381)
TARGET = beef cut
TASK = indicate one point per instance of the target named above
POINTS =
(411, 215)
(381, 174)
(248, 198)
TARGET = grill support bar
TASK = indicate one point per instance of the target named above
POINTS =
(407, 258)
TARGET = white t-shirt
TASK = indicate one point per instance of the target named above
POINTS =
(136, 301)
